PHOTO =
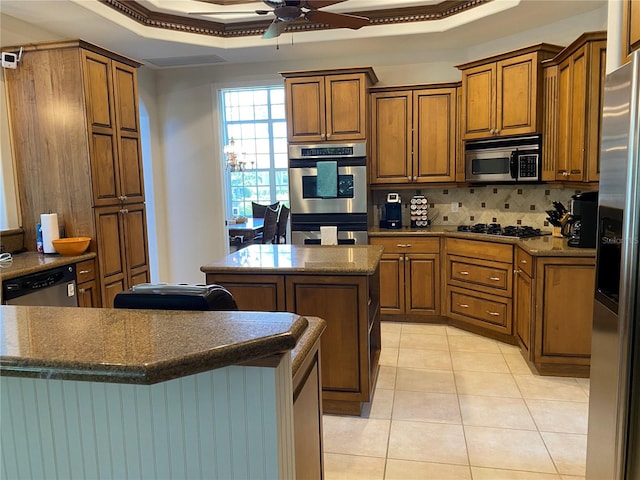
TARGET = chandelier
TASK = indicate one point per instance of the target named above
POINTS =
(234, 157)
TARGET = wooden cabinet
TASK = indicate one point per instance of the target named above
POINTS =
(77, 153)
(577, 92)
(630, 28)
(554, 312)
(479, 286)
(87, 286)
(413, 134)
(501, 95)
(350, 306)
(329, 105)
(410, 276)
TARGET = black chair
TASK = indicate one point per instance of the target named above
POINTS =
(283, 218)
(258, 210)
(270, 226)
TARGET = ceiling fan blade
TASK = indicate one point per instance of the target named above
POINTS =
(315, 4)
(246, 12)
(274, 30)
(341, 20)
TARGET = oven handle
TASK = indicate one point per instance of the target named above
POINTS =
(513, 164)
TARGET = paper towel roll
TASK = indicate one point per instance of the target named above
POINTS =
(328, 235)
(50, 231)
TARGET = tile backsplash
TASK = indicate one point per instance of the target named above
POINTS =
(504, 204)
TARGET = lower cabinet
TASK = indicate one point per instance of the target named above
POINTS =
(87, 285)
(523, 300)
(410, 274)
(350, 306)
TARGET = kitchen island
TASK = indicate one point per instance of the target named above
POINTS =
(114, 393)
(339, 284)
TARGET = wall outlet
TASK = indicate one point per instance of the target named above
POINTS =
(454, 207)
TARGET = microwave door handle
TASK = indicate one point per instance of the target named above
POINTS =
(513, 164)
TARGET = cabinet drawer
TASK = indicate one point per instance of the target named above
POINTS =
(523, 262)
(480, 309)
(85, 271)
(476, 248)
(402, 244)
(490, 277)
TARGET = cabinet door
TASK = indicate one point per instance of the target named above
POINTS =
(422, 283)
(479, 101)
(110, 237)
(88, 295)
(630, 28)
(128, 132)
(392, 283)
(563, 163)
(517, 93)
(391, 140)
(550, 123)
(434, 137)
(523, 310)
(136, 249)
(258, 293)
(305, 109)
(346, 107)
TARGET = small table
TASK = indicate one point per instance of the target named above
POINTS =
(247, 230)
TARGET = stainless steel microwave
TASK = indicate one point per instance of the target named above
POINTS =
(505, 160)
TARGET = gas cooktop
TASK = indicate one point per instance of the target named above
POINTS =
(519, 231)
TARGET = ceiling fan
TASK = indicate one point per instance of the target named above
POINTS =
(289, 10)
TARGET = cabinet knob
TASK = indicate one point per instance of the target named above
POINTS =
(409, 177)
(496, 131)
(81, 290)
(493, 314)
(517, 271)
(328, 135)
(415, 178)
(565, 174)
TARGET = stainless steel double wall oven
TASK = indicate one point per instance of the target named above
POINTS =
(328, 187)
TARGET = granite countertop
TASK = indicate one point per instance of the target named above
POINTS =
(319, 259)
(139, 346)
(31, 262)
(543, 246)
(303, 347)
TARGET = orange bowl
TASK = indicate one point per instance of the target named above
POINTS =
(71, 246)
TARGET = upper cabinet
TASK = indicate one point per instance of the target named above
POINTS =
(413, 134)
(574, 82)
(630, 28)
(501, 95)
(329, 105)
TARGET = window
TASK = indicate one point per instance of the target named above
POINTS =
(254, 118)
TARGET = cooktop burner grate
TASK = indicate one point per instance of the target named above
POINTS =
(519, 231)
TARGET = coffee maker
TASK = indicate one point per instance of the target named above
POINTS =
(392, 217)
(581, 226)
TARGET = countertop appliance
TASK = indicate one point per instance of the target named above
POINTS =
(328, 187)
(176, 296)
(519, 231)
(392, 217)
(613, 444)
(505, 160)
(55, 287)
(581, 225)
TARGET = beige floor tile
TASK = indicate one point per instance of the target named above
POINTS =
(381, 405)
(389, 356)
(550, 388)
(429, 359)
(495, 412)
(479, 362)
(418, 340)
(481, 473)
(427, 442)
(486, 383)
(517, 364)
(572, 477)
(355, 435)
(424, 329)
(569, 451)
(390, 334)
(426, 407)
(508, 348)
(560, 417)
(455, 331)
(352, 467)
(508, 449)
(410, 470)
(423, 380)
(386, 377)
(585, 384)
(475, 343)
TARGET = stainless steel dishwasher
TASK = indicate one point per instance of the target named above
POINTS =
(55, 287)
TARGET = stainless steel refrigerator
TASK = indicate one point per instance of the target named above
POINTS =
(613, 445)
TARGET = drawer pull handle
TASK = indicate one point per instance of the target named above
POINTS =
(495, 314)
(523, 261)
(403, 245)
(463, 305)
(464, 273)
(517, 271)
(495, 279)
(83, 272)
